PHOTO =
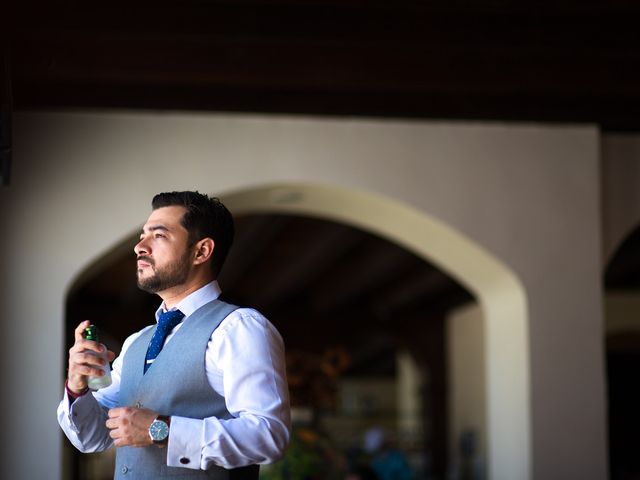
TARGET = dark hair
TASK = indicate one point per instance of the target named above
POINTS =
(205, 217)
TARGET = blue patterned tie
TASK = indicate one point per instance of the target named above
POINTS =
(166, 323)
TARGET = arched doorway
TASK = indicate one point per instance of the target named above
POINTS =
(622, 319)
(497, 290)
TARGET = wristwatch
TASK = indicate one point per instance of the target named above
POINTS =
(159, 429)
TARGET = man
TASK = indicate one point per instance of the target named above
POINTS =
(213, 402)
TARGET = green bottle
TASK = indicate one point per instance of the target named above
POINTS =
(95, 382)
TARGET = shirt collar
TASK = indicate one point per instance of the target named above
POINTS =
(195, 300)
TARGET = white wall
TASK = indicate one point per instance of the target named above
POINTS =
(467, 395)
(528, 194)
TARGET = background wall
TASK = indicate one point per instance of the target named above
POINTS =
(621, 192)
(529, 194)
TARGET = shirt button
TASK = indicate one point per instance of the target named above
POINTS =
(184, 460)
(125, 469)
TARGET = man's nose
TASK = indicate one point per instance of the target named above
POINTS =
(141, 248)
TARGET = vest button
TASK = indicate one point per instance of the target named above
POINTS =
(125, 469)
(184, 460)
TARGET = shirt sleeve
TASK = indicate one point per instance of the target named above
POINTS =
(83, 419)
(245, 363)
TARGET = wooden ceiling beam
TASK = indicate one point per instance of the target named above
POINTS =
(317, 250)
(373, 263)
(419, 287)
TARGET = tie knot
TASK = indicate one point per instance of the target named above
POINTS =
(168, 320)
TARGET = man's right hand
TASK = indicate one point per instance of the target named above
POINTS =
(82, 362)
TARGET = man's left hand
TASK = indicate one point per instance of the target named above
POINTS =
(130, 426)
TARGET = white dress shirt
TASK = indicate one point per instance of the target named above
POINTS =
(244, 363)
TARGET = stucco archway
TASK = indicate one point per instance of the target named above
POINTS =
(498, 290)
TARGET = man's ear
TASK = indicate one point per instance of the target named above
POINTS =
(203, 251)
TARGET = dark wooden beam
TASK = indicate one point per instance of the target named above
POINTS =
(368, 267)
(422, 284)
(572, 62)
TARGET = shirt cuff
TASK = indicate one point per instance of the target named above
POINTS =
(79, 409)
(72, 395)
(185, 443)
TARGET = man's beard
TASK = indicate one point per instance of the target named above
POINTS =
(170, 276)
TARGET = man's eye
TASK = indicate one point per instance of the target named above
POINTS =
(159, 235)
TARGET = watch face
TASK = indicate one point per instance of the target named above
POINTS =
(159, 430)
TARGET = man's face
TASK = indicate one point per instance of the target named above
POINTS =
(164, 259)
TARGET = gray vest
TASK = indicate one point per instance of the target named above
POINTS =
(176, 384)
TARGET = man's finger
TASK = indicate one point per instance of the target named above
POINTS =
(79, 331)
(83, 344)
(112, 424)
(116, 412)
(121, 412)
(86, 370)
(119, 442)
(84, 358)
